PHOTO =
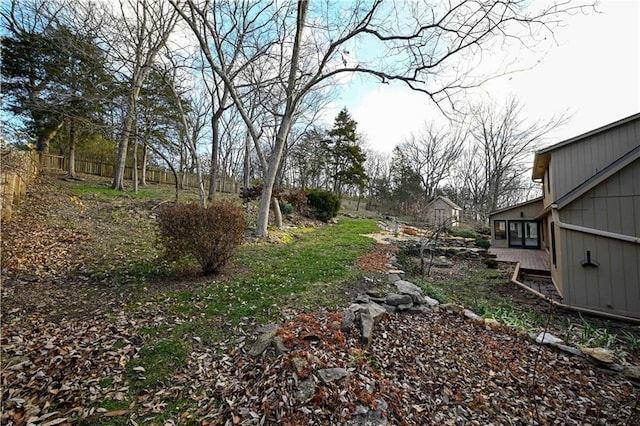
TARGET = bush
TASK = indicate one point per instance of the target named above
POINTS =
(298, 199)
(210, 234)
(251, 193)
(285, 208)
(483, 243)
(325, 204)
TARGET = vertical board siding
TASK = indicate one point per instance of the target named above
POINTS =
(612, 286)
(577, 162)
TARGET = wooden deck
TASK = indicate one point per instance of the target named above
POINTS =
(530, 260)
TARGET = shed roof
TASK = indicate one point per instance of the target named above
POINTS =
(446, 200)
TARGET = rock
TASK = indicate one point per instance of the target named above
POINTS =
(390, 309)
(348, 319)
(547, 339)
(602, 355)
(472, 315)
(306, 390)
(364, 416)
(441, 262)
(568, 349)
(278, 343)
(430, 301)
(405, 287)
(419, 309)
(264, 340)
(398, 272)
(378, 293)
(363, 298)
(327, 375)
(490, 323)
(394, 299)
(453, 308)
(632, 372)
(302, 366)
(369, 316)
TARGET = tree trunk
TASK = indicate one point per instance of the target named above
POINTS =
(72, 149)
(143, 168)
(276, 212)
(134, 172)
(45, 136)
(247, 160)
(283, 130)
(121, 159)
(215, 147)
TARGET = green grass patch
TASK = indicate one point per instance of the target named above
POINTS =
(305, 272)
(159, 359)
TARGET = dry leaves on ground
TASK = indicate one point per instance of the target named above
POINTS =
(426, 369)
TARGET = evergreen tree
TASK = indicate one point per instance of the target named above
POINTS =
(345, 157)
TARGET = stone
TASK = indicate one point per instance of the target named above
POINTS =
(328, 375)
(363, 298)
(398, 272)
(395, 299)
(264, 340)
(441, 262)
(419, 309)
(390, 309)
(430, 301)
(378, 293)
(602, 355)
(278, 343)
(472, 315)
(364, 416)
(490, 323)
(568, 349)
(370, 315)
(547, 339)
(453, 308)
(405, 287)
(405, 306)
(348, 319)
(632, 372)
(300, 366)
(306, 390)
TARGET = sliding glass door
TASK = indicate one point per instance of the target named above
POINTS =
(524, 234)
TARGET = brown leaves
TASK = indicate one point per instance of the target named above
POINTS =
(59, 369)
(428, 369)
(377, 260)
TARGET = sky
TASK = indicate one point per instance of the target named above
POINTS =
(591, 72)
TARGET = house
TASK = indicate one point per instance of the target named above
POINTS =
(441, 211)
(517, 226)
(588, 219)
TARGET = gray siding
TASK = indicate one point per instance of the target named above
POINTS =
(613, 286)
(575, 163)
(612, 206)
(530, 211)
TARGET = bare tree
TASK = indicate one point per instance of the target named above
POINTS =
(145, 26)
(495, 164)
(419, 45)
(432, 154)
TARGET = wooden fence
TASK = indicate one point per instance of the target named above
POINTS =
(153, 175)
(18, 170)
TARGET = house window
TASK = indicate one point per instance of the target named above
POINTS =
(499, 230)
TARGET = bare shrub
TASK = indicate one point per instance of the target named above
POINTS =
(210, 234)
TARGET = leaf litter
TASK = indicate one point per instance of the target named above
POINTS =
(69, 350)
